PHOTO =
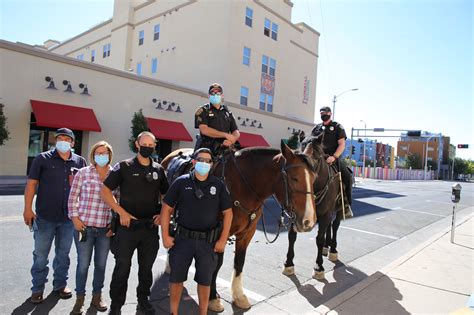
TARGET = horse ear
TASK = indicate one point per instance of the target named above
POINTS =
(309, 149)
(286, 151)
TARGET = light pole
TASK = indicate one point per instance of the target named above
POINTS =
(334, 100)
(363, 156)
(426, 154)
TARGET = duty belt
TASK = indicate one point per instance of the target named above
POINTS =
(210, 236)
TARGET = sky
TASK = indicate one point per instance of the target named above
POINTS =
(412, 60)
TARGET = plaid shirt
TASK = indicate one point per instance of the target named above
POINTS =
(85, 201)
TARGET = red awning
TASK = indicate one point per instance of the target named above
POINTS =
(58, 115)
(169, 130)
(252, 140)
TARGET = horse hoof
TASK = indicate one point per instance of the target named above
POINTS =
(318, 275)
(333, 257)
(215, 305)
(325, 251)
(288, 271)
(242, 302)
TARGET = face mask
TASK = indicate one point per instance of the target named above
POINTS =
(146, 151)
(202, 168)
(63, 146)
(101, 159)
(325, 117)
(215, 99)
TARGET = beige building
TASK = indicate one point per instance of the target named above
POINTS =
(266, 64)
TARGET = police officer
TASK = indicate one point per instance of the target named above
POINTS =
(197, 200)
(334, 140)
(215, 122)
(141, 182)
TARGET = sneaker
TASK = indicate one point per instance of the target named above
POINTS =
(348, 211)
(145, 307)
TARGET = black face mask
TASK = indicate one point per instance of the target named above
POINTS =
(146, 151)
(325, 117)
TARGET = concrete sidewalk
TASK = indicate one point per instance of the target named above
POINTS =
(436, 277)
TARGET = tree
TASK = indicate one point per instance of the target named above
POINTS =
(433, 164)
(139, 125)
(460, 166)
(294, 141)
(4, 133)
(413, 161)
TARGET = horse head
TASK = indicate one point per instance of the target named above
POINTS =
(296, 193)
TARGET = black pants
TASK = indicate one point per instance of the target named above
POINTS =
(346, 180)
(124, 243)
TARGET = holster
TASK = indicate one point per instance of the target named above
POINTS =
(114, 223)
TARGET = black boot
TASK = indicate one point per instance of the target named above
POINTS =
(145, 307)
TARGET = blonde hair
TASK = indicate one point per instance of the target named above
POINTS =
(101, 144)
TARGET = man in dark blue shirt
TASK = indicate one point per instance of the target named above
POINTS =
(197, 201)
(52, 173)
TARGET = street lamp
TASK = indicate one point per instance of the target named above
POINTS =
(363, 156)
(426, 154)
(334, 100)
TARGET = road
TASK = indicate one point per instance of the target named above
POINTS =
(391, 217)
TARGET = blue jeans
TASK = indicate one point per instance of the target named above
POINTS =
(96, 240)
(44, 234)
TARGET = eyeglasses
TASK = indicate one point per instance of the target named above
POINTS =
(215, 93)
(201, 159)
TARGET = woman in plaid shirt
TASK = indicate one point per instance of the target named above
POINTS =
(91, 218)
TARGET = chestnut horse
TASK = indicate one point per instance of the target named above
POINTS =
(252, 175)
(328, 211)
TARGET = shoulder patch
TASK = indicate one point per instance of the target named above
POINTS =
(199, 111)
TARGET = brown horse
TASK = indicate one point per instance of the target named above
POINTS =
(328, 201)
(252, 175)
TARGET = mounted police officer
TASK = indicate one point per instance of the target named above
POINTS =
(334, 141)
(197, 200)
(141, 182)
(215, 122)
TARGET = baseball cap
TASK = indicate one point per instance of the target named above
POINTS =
(65, 132)
(215, 86)
(325, 109)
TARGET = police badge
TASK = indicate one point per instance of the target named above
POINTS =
(155, 175)
(212, 190)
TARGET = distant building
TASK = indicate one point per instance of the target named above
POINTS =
(377, 154)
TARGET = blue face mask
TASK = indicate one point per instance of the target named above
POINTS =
(63, 146)
(215, 99)
(202, 168)
(101, 159)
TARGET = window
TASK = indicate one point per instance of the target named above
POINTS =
(106, 50)
(80, 57)
(93, 55)
(272, 66)
(248, 16)
(244, 95)
(269, 103)
(266, 28)
(139, 68)
(262, 101)
(274, 31)
(246, 58)
(264, 64)
(154, 65)
(156, 35)
(141, 38)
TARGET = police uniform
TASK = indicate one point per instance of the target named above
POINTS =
(197, 219)
(220, 119)
(332, 133)
(140, 193)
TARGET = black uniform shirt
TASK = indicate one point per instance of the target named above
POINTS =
(220, 119)
(193, 213)
(332, 133)
(140, 186)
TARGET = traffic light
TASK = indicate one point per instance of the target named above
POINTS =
(463, 146)
(353, 149)
(414, 133)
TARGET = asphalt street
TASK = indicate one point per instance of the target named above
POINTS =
(393, 214)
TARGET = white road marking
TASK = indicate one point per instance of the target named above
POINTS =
(371, 233)
(224, 283)
(443, 202)
(11, 218)
(417, 211)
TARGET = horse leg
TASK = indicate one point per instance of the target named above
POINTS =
(238, 296)
(318, 272)
(215, 304)
(333, 256)
(289, 269)
(327, 243)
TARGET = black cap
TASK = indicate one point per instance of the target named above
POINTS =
(202, 150)
(325, 109)
(214, 86)
(65, 132)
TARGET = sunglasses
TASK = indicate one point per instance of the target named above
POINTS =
(201, 159)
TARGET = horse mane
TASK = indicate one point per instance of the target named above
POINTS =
(316, 142)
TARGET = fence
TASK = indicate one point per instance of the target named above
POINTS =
(393, 174)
